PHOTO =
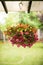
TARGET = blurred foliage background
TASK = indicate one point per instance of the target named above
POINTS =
(13, 19)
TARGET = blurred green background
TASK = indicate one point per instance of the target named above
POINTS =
(12, 55)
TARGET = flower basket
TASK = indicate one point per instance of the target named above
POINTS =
(22, 35)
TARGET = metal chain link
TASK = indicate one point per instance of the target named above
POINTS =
(20, 5)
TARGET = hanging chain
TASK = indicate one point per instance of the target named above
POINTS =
(20, 5)
(20, 15)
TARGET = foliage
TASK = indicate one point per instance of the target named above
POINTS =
(31, 19)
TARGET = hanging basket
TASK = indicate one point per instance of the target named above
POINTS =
(22, 35)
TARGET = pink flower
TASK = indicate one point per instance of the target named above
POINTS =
(21, 33)
(18, 45)
(36, 38)
(30, 44)
(15, 36)
(26, 33)
(17, 40)
(24, 45)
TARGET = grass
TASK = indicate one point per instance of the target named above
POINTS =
(12, 55)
